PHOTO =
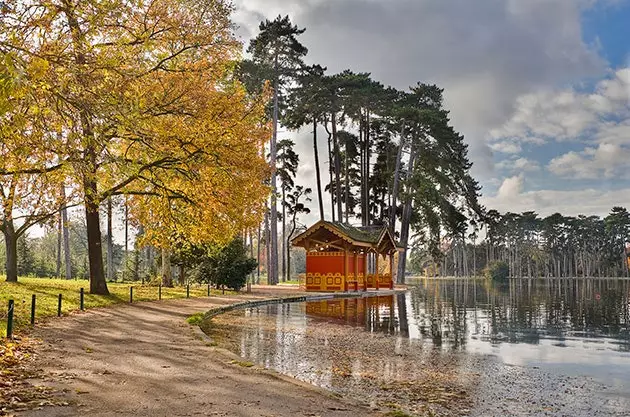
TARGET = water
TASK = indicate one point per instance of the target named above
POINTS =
(441, 332)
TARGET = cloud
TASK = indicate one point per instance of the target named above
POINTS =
(519, 165)
(485, 53)
(606, 161)
(513, 198)
(571, 115)
(506, 147)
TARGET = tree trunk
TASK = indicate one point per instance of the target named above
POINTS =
(395, 189)
(346, 181)
(317, 172)
(110, 242)
(66, 235)
(272, 271)
(267, 245)
(10, 241)
(182, 275)
(258, 249)
(337, 167)
(284, 235)
(167, 272)
(98, 284)
(59, 234)
(366, 139)
(126, 262)
(331, 159)
(404, 230)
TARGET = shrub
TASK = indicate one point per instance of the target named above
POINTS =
(227, 267)
(498, 271)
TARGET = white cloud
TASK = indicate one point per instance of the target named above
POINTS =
(519, 165)
(563, 115)
(506, 147)
(546, 202)
(608, 160)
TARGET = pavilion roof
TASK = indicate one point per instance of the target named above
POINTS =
(365, 235)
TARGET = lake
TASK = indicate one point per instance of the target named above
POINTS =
(562, 345)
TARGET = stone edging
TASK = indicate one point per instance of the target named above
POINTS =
(299, 299)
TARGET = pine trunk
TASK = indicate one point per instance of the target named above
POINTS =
(395, 189)
(404, 230)
(258, 258)
(337, 167)
(317, 172)
(272, 272)
(331, 190)
(284, 235)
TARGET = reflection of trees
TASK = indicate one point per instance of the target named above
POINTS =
(523, 311)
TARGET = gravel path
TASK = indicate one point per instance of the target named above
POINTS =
(145, 360)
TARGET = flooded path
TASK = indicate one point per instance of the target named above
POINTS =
(451, 348)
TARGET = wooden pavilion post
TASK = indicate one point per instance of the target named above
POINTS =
(356, 270)
(376, 283)
(391, 269)
(365, 270)
(345, 269)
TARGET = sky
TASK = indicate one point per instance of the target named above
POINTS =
(539, 88)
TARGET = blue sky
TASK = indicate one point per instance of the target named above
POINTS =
(539, 88)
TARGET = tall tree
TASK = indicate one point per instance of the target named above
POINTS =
(308, 104)
(277, 48)
(125, 75)
(287, 165)
(295, 207)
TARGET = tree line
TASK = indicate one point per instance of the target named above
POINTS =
(555, 246)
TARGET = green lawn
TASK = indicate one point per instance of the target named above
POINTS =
(47, 292)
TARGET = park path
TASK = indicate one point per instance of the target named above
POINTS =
(145, 360)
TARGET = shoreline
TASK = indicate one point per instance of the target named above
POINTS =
(144, 359)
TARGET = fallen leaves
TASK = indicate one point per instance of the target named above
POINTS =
(388, 372)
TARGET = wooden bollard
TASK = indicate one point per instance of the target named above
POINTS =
(33, 310)
(59, 306)
(10, 319)
(81, 301)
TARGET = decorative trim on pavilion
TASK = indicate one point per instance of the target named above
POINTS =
(340, 257)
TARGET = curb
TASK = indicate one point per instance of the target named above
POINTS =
(300, 299)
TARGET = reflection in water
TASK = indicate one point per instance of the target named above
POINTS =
(570, 327)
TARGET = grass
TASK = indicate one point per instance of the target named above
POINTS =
(47, 292)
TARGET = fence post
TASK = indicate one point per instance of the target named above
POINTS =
(59, 306)
(10, 319)
(159, 291)
(82, 298)
(188, 291)
(208, 290)
(33, 310)
(130, 295)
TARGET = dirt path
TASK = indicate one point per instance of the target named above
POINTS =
(145, 360)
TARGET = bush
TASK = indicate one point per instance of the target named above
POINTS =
(498, 271)
(227, 267)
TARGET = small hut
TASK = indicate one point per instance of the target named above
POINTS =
(340, 257)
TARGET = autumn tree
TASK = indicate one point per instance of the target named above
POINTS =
(147, 107)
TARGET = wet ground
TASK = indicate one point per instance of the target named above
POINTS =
(453, 348)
